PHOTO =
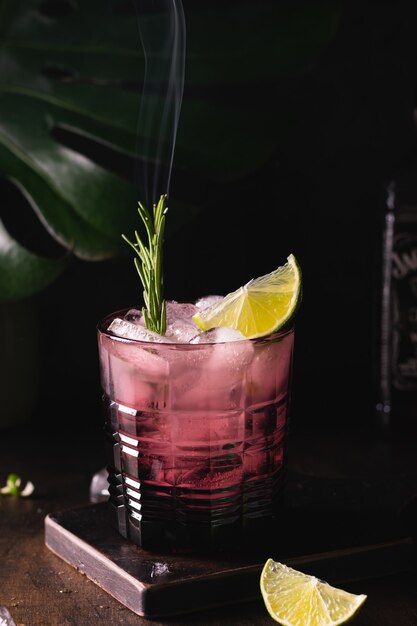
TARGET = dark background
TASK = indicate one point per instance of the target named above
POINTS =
(350, 117)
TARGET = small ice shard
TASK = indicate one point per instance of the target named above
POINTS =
(128, 330)
(99, 486)
(5, 618)
(206, 301)
(158, 569)
(220, 334)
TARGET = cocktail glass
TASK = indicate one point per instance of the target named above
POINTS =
(197, 438)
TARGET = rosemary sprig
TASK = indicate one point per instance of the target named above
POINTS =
(148, 263)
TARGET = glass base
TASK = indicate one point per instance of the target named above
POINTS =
(175, 527)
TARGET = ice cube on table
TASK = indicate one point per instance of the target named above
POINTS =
(129, 330)
(206, 301)
(5, 618)
(158, 569)
(220, 334)
(99, 486)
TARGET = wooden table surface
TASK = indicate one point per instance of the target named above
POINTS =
(39, 589)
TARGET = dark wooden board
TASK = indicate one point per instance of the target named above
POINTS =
(329, 537)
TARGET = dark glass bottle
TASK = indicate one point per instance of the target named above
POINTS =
(395, 363)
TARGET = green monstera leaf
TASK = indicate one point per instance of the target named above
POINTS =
(70, 78)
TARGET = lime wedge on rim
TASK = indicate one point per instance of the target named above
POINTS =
(259, 308)
(296, 599)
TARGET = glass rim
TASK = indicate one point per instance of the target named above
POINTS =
(104, 322)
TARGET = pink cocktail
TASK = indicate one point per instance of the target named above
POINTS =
(197, 437)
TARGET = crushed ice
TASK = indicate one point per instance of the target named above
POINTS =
(220, 334)
(206, 301)
(181, 328)
(180, 324)
(130, 330)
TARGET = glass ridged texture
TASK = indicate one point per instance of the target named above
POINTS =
(196, 438)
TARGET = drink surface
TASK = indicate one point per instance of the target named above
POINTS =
(196, 437)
